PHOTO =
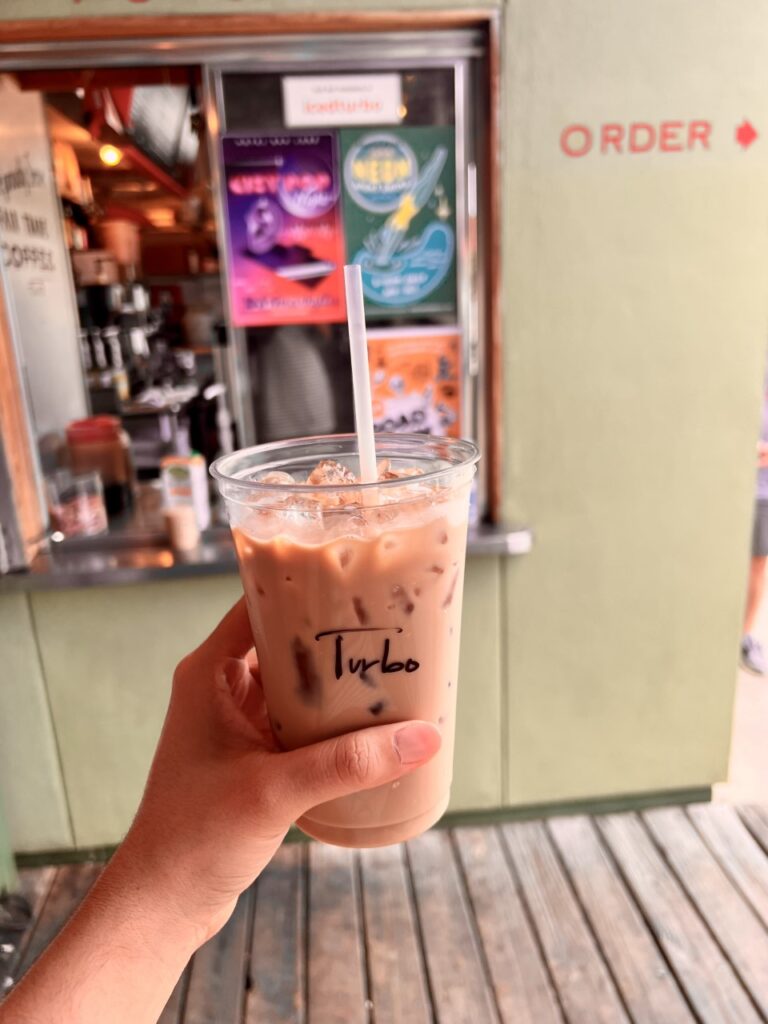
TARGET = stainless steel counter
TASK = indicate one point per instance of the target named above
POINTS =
(136, 555)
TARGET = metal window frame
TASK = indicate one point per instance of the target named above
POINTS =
(467, 296)
(276, 50)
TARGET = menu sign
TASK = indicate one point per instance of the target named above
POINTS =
(400, 217)
(341, 99)
(286, 247)
(415, 379)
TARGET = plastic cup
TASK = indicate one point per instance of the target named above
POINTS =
(354, 596)
(76, 503)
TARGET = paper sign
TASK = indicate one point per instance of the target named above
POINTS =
(415, 383)
(312, 100)
(36, 274)
(400, 217)
(286, 247)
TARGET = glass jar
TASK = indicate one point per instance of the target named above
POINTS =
(100, 444)
(76, 504)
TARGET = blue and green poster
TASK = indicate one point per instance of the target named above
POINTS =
(399, 196)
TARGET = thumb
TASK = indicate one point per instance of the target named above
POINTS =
(357, 760)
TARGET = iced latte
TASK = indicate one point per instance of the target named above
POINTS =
(354, 595)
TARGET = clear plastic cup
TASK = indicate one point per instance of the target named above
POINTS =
(354, 596)
(76, 503)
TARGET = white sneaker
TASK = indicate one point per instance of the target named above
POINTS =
(753, 655)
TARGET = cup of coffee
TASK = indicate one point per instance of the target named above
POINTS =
(354, 596)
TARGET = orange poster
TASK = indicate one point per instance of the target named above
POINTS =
(416, 379)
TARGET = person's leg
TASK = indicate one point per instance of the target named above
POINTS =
(752, 654)
(755, 590)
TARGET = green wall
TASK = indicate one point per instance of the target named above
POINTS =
(635, 314)
(9, 878)
(31, 783)
(73, 765)
(635, 333)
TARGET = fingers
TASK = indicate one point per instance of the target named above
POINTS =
(358, 760)
(237, 676)
(241, 706)
(232, 637)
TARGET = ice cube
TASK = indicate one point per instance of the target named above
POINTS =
(345, 557)
(401, 597)
(330, 472)
(332, 500)
(276, 476)
(301, 510)
(381, 515)
(360, 611)
(353, 523)
(306, 501)
(401, 473)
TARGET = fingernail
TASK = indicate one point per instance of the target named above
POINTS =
(416, 742)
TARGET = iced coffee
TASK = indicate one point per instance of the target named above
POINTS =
(354, 595)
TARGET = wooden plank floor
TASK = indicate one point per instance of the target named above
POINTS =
(654, 918)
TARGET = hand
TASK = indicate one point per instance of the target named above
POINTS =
(219, 800)
(762, 454)
(221, 796)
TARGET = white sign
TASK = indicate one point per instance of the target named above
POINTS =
(310, 100)
(35, 263)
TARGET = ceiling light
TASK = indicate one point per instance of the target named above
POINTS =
(136, 187)
(161, 217)
(80, 92)
(110, 155)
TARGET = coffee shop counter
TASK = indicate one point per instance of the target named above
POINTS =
(90, 636)
(134, 556)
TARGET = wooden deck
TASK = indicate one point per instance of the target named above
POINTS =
(657, 918)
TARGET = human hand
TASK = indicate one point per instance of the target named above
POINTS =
(219, 799)
(221, 795)
(762, 454)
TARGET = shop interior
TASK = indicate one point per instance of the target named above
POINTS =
(131, 165)
(171, 377)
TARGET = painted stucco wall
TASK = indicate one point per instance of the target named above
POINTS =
(86, 686)
(635, 332)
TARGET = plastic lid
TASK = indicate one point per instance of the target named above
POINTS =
(93, 429)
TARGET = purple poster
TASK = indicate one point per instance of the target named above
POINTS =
(286, 246)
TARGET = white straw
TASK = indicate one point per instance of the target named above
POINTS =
(361, 380)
